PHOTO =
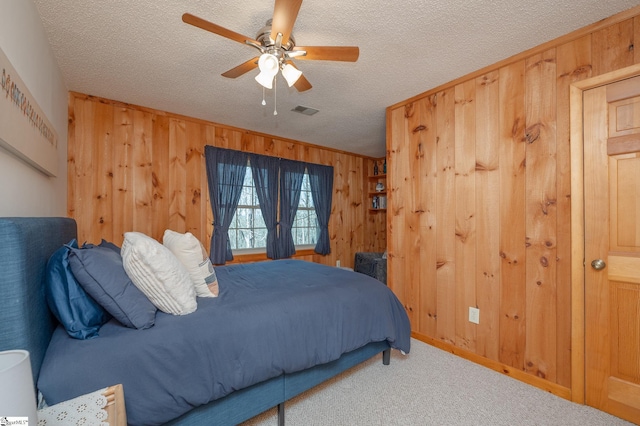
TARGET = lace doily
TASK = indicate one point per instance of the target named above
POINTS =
(85, 410)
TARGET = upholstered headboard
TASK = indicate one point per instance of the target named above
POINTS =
(25, 246)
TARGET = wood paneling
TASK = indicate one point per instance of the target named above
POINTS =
(465, 212)
(613, 47)
(487, 211)
(160, 188)
(540, 214)
(133, 168)
(445, 223)
(141, 177)
(636, 37)
(420, 222)
(499, 190)
(397, 121)
(512, 163)
(122, 166)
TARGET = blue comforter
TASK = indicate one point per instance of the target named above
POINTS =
(270, 318)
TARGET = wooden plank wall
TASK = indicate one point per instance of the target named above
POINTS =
(133, 168)
(479, 203)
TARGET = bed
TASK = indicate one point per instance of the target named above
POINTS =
(259, 380)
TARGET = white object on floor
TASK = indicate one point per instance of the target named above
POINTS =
(17, 394)
(86, 410)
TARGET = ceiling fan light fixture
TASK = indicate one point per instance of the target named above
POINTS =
(291, 74)
(268, 65)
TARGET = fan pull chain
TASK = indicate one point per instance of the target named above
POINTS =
(275, 96)
(263, 101)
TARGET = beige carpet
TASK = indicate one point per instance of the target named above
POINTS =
(430, 387)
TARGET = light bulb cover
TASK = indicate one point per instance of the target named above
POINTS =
(291, 74)
(268, 63)
(265, 79)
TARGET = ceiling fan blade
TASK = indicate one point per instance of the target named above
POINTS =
(242, 68)
(329, 53)
(285, 13)
(216, 29)
(302, 83)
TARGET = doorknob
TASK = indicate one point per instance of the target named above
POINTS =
(598, 264)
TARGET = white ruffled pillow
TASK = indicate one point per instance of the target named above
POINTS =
(158, 274)
(188, 249)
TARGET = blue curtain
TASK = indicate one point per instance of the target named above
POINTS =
(265, 178)
(225, 173)
(321, 183)
(291, 175)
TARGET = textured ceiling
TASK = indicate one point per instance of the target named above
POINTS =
(141, 52)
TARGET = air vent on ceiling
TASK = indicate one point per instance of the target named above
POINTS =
(305, 110)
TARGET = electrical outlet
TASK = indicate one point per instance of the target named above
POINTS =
(474, 315)
(337, 263)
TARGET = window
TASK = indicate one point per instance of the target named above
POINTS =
(248, 230)
(305, 225)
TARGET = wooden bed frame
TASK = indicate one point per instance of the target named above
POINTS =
(25, 246)
(116, 410)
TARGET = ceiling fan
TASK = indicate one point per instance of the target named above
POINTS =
(277, 47)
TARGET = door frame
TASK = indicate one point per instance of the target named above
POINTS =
(577, 223)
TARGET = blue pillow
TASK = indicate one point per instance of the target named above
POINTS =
(78, 313)
(103, 243)
(100, 272)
